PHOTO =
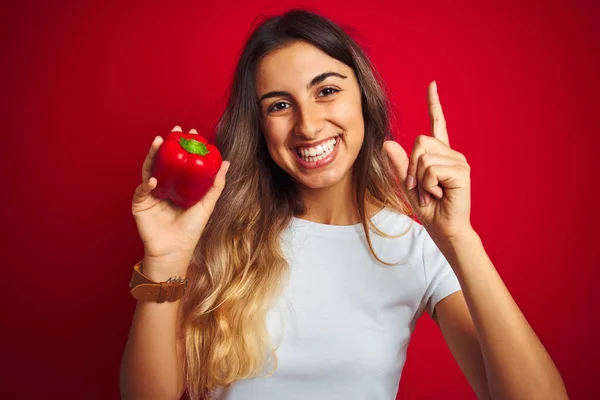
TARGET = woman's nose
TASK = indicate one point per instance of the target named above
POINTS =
(309, 121)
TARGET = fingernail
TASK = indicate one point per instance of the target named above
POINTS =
(410, 182)
(176, 128)
(193, 131)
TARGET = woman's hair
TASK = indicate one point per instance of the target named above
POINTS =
(238, 265)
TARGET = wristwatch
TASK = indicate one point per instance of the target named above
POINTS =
(145, 289)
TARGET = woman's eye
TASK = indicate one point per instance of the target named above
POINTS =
(281, 105)
(329, 91)
(275, 107)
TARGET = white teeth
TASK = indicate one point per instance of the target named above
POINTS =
(317, 153)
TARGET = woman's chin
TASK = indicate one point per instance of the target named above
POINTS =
(321, 181)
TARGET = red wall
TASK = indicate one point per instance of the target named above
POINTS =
(90, 85)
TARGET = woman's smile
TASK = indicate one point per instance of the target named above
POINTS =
(319, 155)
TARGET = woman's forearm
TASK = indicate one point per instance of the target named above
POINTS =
(517, 364)
(151, 366)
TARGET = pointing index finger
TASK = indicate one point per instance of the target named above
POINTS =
(438, 122)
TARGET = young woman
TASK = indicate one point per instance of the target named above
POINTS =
(306, 270)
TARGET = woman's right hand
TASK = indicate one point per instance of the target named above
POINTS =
(170, 233)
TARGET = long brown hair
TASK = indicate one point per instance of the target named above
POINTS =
(238, 266)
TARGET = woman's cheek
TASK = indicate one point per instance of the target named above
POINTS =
(346, 113)
(274, 131)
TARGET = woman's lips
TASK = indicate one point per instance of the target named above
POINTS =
(320, 163)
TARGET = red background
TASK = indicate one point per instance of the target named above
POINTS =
(86, 87)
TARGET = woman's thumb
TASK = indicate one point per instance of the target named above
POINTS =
(398, 159)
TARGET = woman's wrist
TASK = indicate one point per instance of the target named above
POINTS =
(162, 268)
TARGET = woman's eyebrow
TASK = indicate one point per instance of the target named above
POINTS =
(315, 81)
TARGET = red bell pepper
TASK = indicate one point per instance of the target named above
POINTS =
(185, 168)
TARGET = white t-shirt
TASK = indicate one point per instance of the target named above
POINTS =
(344, 320)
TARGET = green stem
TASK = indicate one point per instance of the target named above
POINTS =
(193, 146)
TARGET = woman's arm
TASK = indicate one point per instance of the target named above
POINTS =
(151, 367)
(517, 365)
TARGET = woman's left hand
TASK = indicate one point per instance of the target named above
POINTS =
(441, 177)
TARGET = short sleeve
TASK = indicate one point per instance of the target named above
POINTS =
(440, 279)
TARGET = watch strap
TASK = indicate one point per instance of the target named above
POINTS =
(145, 289)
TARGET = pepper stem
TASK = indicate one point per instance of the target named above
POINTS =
(193, 146)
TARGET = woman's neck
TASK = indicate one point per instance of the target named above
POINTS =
(335, 205)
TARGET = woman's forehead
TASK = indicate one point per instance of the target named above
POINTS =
(295, 64)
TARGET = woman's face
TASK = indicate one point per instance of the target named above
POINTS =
(311, 114)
